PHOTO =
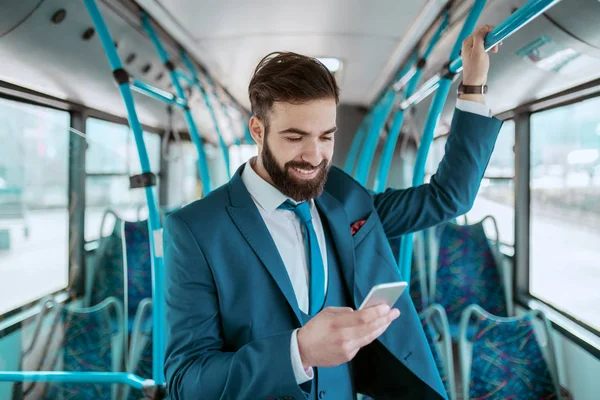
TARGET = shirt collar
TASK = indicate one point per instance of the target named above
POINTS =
(266, 195)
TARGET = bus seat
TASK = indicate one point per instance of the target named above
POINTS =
(105, 275)
(505, 358)
(90, 342)
(468, 272)
(137, 262)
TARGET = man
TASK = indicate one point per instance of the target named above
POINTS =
(264, 275)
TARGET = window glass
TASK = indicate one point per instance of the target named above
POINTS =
(34, 177)
(565, 209)
(496, 196)
(111, 158)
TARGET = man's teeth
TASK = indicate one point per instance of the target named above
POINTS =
(304, 171)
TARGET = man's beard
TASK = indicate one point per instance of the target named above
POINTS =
(294, 188)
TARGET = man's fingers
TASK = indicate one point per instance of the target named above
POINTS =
(361, 317)
(377, 331)
(480, 34)
(359, 333)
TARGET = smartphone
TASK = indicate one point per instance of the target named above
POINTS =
(385, 293)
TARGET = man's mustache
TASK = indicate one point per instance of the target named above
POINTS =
(306, 165)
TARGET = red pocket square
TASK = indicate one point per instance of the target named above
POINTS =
(356, 226)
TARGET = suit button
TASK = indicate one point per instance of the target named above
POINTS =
(322, 394)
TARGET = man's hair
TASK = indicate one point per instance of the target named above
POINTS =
(290, 78)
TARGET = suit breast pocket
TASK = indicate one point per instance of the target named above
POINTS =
(370, 222)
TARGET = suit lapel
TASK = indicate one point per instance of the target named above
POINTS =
(251, 225)
(339, 226)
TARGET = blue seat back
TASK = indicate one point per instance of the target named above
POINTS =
(504, 358)
(138, 264)
(90, 343)
(107, 271)
(467, 273)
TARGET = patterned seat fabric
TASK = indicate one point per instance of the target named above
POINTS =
(139, 264)
(507, 362)
(108, 271)
(86, 347)
(467, 274)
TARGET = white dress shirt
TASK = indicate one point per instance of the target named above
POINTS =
(287, 233)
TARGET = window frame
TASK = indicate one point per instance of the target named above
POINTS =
(576, 330)
(78, 115)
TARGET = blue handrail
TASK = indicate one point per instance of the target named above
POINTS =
(195, 80)
(517, 20)
(189, 119)
(380, 116)
(406, 243)
(154, 224)
(357, 141)
(157, 93)
(398, 119)
(76, 377)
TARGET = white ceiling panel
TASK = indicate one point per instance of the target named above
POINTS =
(231, 36)
(218, 18)
(362, 57)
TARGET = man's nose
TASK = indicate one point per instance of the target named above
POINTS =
(312, 153)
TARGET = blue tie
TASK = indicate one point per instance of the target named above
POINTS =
(316, 267)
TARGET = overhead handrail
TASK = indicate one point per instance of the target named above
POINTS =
(521, 17)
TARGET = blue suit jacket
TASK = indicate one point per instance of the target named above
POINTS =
(231, 308)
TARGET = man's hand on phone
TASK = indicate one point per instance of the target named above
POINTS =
(336, 334)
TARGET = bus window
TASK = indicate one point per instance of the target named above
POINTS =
(111, 158)
(34, 162)
(565, 209)
(183, 179)
(496, 193)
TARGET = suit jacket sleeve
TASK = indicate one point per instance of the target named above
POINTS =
(452, 190)
(196, 363)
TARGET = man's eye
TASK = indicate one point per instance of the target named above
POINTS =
(293, 139)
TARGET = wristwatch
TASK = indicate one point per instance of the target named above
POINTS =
(464, 89)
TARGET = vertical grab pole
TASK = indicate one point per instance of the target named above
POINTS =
(380, 116)
(158, 279)
(164, 57)
(196, 81)
(406, 244)
(357, 141)
(398, 119)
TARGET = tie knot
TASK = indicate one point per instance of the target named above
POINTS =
(302, 210)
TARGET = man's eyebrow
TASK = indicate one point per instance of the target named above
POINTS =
(304, 133)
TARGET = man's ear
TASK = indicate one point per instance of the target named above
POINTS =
(257, 130)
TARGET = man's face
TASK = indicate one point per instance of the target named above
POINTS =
(297, 148)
